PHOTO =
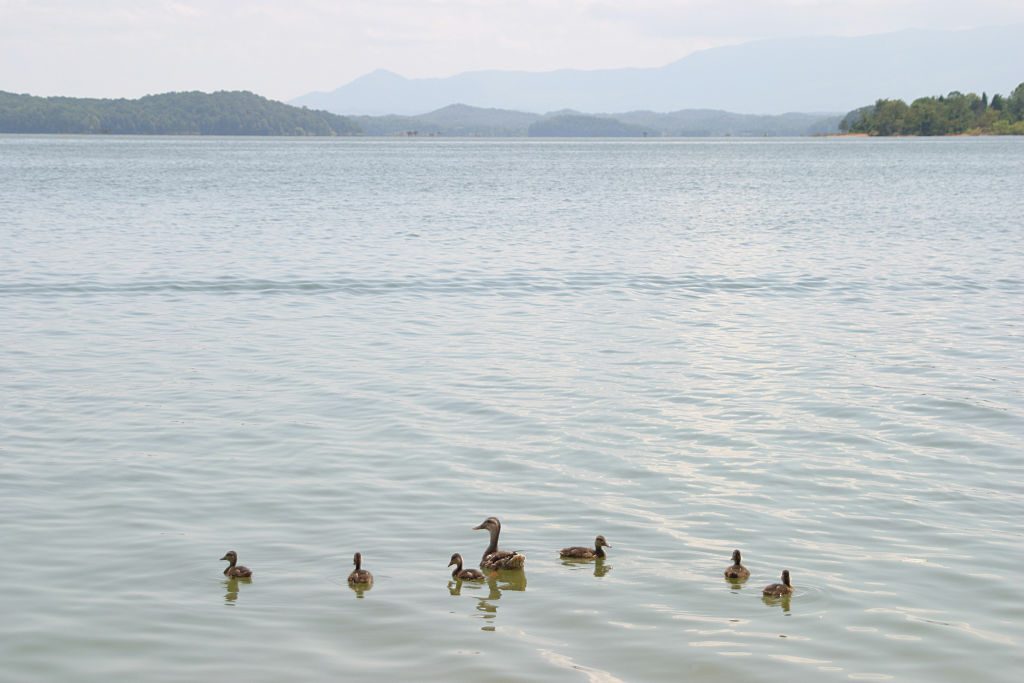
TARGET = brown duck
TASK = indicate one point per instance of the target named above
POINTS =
(737, 571)
(494, 558)
(235, 570)
(778, 590)
(359, 576)
(460, 574)
(578, 552)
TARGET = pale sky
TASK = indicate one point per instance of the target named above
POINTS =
(285, 48)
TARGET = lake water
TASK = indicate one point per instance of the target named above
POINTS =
(810, 350)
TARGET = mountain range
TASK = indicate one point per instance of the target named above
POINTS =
(464, 120)
(811, 74)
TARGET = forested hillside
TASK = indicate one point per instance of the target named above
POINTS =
(178, 113)
(951, 114)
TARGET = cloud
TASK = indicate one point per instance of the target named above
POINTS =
(283, 48)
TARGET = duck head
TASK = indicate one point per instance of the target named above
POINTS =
(599, 542)
(785, 578)
(736, 557)
(231, 556)
(491, 524)
(357, 560)
(456, 560)
(494, 527)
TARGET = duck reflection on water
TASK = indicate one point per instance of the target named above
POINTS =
(494, 584)
(231, 588)
(360, 589)
(600, 565)
(781, 601)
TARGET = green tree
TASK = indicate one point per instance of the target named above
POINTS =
(953, 113)
(1015, 103)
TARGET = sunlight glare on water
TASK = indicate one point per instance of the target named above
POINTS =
(298, 349)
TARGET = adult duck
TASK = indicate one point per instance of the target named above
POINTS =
(460, 574)
(578, 552)
(494, 558)
(737, 572)
(778, 590)
(235, 570)
(359, 576)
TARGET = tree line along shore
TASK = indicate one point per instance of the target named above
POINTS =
(177, 113)
(245, 113)
(954, 114)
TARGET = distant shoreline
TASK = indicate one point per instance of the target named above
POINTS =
(945, 135)
(241, 113)
(955, 113)
(481, 138)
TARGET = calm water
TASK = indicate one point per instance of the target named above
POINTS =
(809, 349)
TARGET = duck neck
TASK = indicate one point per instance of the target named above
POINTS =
(458, 568)
(231, 565)
(359, 563)
(598, 550)
(493, 547)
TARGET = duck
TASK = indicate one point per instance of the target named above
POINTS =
(494, 558)
(359, 576)
(778, 590)
(737, 571)
(577, 552)
(460, 574)
(235, 570)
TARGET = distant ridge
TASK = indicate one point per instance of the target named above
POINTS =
(244, 113)
(816, 74)
(179, 113)
(464, 120)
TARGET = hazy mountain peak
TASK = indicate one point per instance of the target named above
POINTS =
(381, 75)
(817, 73)
(462, 108)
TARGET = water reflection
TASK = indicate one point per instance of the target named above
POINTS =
(600, 566)
(360, 588)
(455, 585)
(735, 584)
(231, 589)
(781, 601)
(495, 584)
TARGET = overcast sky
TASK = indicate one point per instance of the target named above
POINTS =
(285, 48)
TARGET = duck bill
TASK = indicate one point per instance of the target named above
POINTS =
(479, 526)
(225, 558)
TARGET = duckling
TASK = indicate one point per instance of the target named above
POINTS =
(235, 572)
(737, 571)
(582, 553)
(359, 576)
(464, 574)
(778, 590)
(494, 558)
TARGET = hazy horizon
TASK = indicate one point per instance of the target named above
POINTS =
(117, 48)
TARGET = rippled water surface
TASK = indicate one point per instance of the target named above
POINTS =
(810, 350)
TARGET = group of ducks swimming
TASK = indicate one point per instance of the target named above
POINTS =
(495, 559)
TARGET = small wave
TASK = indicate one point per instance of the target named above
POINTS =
(513, 283)
(505, 284)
